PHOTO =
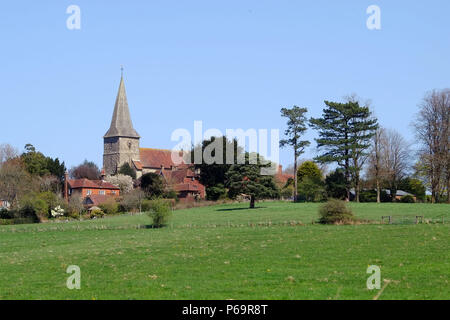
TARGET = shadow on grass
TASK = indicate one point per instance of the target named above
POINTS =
(151, 226)
(235, 209)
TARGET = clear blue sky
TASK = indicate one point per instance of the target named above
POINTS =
(231, 64)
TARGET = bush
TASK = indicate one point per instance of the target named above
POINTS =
(335, 212)
(160, 211)
(171, 194)
(5, 222)
(407, 199)
(26, 214)
(96, 214)
(6, 214)
(110, 206)
(216, 192)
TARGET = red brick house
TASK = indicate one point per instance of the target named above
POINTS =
(93, 192)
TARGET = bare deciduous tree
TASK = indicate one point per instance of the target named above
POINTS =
(7, 152)
(376, 167)
(433, 132)
(14, 181)
(395, 159)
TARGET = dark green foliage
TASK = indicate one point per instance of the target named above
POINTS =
(335, 184)
(171, 194)
(368, 196)
(413, 186)
(127, 170)
(152, 184)
(160, 212)
(247, 179)
(345, 130)
(287, 192)
(407, 199)
(38, 164)
(216, 192)
(371, 196)
(6, 214)
(213, 174)
(335, 212)
(311, 190)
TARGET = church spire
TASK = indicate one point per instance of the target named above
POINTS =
(121, 125)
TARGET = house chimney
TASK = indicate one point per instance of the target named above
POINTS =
(66, 186)
(102, 174)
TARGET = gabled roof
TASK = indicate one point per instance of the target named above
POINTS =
(92, 184)
(96, 199)
(121, 125)
(154, 158)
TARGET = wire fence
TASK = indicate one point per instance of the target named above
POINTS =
(411, 219)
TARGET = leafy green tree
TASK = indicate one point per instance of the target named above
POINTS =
(152, 184)
(414, 186)
(308, 169)
(310, 185)
(335, 184)
(345, 130)
(247, 179)
(310, 190)
(127, 170)
(35, 162)
(296, 127)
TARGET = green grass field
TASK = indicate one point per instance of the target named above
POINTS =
(231, 252)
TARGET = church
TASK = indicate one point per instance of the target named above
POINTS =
(121, 145)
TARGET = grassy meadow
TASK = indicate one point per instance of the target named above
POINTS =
(232, 252)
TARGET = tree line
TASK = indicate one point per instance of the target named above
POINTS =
(372, 157)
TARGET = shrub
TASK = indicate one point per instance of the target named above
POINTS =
(34, 207)
(110, 206)
(171, 194)
(132, 201)
(160, 211)
(96, 214)
(335, 212)
(216, 192)
(6, 214)
(407, 199)
(5, 222)
(26, 214)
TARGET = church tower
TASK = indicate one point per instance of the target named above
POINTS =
(121, 142)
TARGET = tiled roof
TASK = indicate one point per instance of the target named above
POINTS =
(137, 164)
(154, 158)
(97, 199)
(190, 186)
(93, 184)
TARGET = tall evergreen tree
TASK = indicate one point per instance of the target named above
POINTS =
(296, 127)
(247, 179)
(345, 130)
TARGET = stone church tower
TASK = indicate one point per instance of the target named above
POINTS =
(121, 142)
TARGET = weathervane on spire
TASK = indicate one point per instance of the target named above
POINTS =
(121, 70)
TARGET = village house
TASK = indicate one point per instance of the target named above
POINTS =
(93, 192)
